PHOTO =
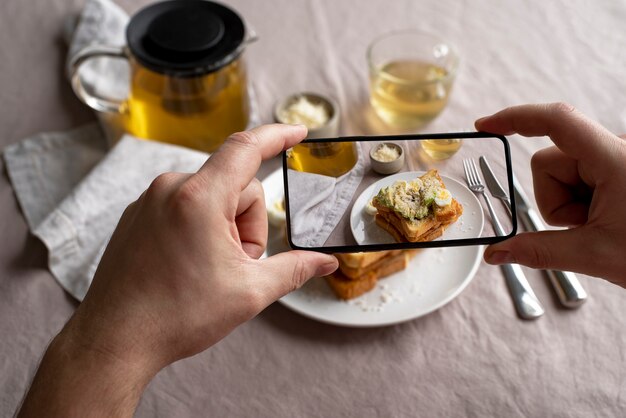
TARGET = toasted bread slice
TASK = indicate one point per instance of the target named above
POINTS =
(347, 288)
(410, 229)
(418, 230)
(360, 260)
(393, 231)
(430, 235)
(355, 273)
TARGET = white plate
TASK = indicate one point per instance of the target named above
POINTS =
(365, 231)
(432, 279)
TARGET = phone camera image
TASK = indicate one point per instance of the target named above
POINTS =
(394, 192)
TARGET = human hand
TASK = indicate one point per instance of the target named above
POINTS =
(181, 271)
(580, 183)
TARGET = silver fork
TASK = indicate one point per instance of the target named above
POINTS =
(526, 303)
(476, 185)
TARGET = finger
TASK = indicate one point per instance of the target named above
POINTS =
(285, 272)
(556, 180)
(237, 161)
(251, 219)
(569, 250)
(571, 131)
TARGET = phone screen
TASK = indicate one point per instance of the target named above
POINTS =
(394, 192)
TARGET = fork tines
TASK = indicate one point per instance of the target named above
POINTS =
(471, 173)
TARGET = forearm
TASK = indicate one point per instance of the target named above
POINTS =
(77, 381)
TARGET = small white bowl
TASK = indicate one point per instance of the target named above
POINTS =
(387, 167)
(330, 129)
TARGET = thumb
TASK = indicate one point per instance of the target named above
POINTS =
(554, 250)
(285, 272)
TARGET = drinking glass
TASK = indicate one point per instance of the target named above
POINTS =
(411, 76)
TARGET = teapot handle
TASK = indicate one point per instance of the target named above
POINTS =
(97, 103)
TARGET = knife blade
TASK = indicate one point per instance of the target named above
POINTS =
(570, 292)
(493, 184)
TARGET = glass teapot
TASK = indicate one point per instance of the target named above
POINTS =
(188, 81)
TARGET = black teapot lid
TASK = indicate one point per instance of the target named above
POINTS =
(185, 37)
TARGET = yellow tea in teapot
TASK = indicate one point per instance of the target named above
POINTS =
(188, 80)
(197, 112)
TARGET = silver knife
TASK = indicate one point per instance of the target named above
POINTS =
(493, 184)
(567, 286)
(524, 299)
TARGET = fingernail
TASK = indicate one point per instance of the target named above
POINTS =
(326, 269)
(500, 257)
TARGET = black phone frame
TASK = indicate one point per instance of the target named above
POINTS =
(408, 245)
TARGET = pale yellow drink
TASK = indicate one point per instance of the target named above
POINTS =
(408, 94)
(440, 149)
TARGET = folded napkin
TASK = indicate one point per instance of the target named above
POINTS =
(75, 214)
(101, 22)
(71, 186)
(317, 203)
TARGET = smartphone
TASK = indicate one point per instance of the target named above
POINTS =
(373, 193)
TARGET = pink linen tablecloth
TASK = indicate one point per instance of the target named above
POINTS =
(471, 358)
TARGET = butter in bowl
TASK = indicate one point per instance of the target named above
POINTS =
(318, 113)
(387, 158)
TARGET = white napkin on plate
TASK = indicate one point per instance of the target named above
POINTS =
(71, 188)
(317, 203)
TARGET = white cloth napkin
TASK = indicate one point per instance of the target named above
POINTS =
(101, 22)
(71, 188)
(74, 215)
(317, 203)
